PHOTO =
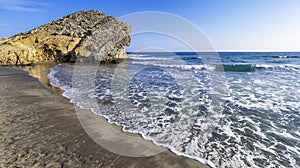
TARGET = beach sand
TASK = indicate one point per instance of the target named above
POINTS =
(40, 128)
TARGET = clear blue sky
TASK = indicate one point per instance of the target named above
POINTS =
(256, 25)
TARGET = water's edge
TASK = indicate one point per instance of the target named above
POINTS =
(41, 71)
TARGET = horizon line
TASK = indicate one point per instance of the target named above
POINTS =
(217, 51)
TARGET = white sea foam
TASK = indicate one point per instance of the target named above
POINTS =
(183, 67)
(213, 67)
(258, 108)
(279, 66)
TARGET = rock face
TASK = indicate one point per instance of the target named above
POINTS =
(85, 34)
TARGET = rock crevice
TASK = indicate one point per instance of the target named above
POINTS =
(84, 34)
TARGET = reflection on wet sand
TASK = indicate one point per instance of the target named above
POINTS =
(41, 71)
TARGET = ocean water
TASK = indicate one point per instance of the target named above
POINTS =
(225, 109)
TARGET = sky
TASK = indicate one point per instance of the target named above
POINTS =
(229, 25)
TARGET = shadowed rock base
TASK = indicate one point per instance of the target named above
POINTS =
(40, 129)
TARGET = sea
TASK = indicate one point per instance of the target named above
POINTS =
(225, 109)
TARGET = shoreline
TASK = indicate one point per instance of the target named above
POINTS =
(42, 137)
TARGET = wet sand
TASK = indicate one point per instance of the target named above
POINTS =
(40, 128)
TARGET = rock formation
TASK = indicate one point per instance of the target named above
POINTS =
(85, 34)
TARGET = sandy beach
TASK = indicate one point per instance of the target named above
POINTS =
(40, 128)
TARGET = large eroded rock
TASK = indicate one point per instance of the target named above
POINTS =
(85, 34)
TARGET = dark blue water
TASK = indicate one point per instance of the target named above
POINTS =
(233, 109)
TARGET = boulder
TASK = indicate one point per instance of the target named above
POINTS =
(85, 34)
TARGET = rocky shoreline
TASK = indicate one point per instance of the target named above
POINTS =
(90, 35)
